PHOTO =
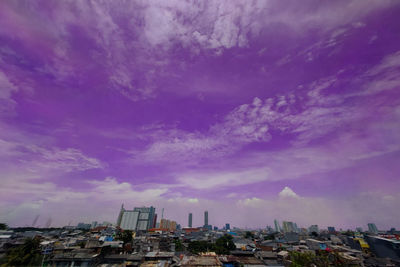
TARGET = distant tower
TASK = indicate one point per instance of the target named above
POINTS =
(277, 227)
(162, 213)
(35, 220)
(372, 228)
(121, 212)
(206, 218)
(48, 223)
(190, 220)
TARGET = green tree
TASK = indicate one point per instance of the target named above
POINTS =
(125, 236)
(300, 259)
(224, 245)
(249, 234)
(200, 246)
(3, 226)
(26, 255)
(178, 245)
(305, 259)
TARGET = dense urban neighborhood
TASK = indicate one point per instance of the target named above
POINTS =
(137, 239)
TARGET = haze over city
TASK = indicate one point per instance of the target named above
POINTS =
(251, 110)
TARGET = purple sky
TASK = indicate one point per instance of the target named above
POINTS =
(253, 110)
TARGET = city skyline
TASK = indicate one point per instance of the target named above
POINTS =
(252, 111)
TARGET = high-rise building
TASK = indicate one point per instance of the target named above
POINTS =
(372, 228)
(313, 229)
(206, 218)
(331, 229)
(190, 220)
(288, 227)
(227, 226)
(296, 229)
(121, 212)
(138, 219)
(154, 221)
(167, 224)
(277, 227)
(129, 220)
(146, 218)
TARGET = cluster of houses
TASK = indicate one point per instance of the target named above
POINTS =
(100, 246)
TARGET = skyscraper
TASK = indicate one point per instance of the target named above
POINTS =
(138, 219)
(331, 229)
(129, 220)
(288, 227)
(121, 212)
(277, 227)
(146, 218)
(372, 228)
(190, 220)
(206, 218)
(313, 229)
(227, 226)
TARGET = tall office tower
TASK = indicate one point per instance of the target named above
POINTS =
(129, 220)
(146, 218)
(154, 221)
(277, 227)
(296, 229)
(372, 228)
(288, 227)
(190, 220)
(138, 219)
(206, 218)
(313, 228)
(93, 225)
(331, 229)
(227, 226)
(121, 212)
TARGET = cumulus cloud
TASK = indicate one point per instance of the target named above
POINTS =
(288, 192)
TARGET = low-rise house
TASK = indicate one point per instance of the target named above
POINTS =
(205, 260)
(316, 244)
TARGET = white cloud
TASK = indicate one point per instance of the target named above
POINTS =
(288, 192)
(208, 180)
(193, 200)
(252, 202)
(111, 189)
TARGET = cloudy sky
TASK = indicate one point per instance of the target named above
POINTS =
(253, 110)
